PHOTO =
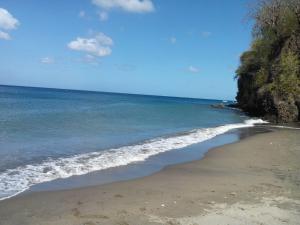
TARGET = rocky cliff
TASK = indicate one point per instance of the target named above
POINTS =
(269, 73)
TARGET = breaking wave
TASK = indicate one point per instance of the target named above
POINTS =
(17, 180)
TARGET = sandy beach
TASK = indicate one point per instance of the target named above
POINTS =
(150, 112)
(254, 181)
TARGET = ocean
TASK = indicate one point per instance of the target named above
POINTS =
(48, 134)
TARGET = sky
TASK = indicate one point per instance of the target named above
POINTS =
(183, 48)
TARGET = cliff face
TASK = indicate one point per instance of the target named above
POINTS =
(269, 73)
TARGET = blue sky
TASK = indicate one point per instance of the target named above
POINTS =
(187, 48)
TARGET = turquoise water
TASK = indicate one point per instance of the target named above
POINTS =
(47, 134)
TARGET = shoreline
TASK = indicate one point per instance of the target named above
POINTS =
(113, 165)
(257, 174)
(152, 165)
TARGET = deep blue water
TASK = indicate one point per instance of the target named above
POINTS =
(41, 130)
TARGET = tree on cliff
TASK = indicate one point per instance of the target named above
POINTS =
(269, 72)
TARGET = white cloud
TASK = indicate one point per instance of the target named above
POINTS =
(206, 34)
(103, 16)
(135, 6)
(7, 22)
(173, 40)
(81, 14)
(47, 60)
(90, 59)
(4, 35)
(193, 69)
(99, 45)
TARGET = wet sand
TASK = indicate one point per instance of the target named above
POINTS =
(254, 181)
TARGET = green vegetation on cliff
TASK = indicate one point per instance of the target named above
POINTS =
(269, 73)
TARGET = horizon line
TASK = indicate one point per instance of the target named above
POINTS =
(117, 93)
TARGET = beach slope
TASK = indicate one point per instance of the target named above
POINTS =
(254, 181)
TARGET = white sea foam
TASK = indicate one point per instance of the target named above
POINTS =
(17, 180)
(284, 127)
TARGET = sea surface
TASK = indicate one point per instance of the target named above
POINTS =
(47, 134)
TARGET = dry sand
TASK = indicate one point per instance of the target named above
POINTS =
(254, 181)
